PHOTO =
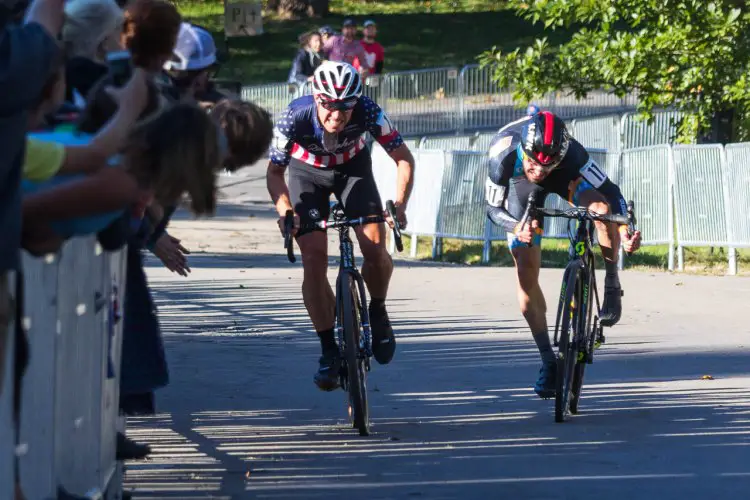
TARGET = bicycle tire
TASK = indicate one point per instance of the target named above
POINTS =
(355, 363)
(589, 332)
(567, 354)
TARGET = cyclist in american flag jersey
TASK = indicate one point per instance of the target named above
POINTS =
(321, 139)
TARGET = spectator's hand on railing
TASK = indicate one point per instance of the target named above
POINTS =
(172, 254)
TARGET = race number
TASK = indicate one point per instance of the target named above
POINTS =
(593, 174)
(494, 193)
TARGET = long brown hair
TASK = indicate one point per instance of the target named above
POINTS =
(177, 151)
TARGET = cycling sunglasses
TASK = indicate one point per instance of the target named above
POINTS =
(337, 105)
(546, 168)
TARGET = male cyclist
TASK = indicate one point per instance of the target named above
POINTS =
(536, 153)
(320, 137)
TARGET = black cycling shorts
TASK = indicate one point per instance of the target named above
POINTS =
(352, 183)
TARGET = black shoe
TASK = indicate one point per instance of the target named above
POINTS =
(127, 449)
(612, 307)
(383, 340)
(545, 385)
(327, 376)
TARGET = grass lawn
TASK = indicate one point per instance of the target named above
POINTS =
(555, 255)
(415, 34)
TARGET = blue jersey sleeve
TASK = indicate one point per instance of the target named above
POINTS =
(283, 139)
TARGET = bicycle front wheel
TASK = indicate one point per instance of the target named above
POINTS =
(567, 354)
(587, 327)
(354, 354)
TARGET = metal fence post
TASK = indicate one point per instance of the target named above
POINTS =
(671, 215)
(461, 96)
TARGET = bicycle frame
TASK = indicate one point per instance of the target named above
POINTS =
(347, 265)
(581, 256)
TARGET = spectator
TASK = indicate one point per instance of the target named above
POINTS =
(532, 109)
(92, 29)
(373, 49)
(326, 32)
(193, 63)
(345, 48)
(26, 55)
(248, 129)
(308, 58)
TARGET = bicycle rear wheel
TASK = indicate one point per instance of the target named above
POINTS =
(355, 359)
(567, 354)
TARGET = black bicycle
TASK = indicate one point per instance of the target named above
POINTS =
(578, 329)
(352, 317)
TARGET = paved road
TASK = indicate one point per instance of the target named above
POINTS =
(454, 415)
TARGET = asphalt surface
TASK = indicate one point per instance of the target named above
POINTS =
(665, 412)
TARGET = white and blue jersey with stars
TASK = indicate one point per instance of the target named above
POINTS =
(299, 134)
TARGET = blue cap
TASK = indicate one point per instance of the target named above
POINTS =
(195, 50)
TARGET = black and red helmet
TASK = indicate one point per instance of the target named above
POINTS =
(545, 139)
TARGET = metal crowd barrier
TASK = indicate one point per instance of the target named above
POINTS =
(449, 99)
(70, 393)
(685, 196)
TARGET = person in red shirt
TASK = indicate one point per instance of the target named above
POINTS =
(375, 52)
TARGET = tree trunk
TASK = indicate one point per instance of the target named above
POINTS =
(722, 128)
(292, 9)
(318, 8)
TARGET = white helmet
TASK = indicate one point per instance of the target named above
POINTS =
(336, 80)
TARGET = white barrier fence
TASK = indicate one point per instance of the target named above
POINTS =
(70, 391)
(685, 196)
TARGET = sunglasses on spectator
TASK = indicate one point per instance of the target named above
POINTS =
(336, 105)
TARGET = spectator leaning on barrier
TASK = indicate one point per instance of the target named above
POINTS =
(375, 51)
(308, 58)
(92, 29)
(346, 48)
(26, 55)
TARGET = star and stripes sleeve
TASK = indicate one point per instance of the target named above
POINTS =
(380, 126)
(283, 139)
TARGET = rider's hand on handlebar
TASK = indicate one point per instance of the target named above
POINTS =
(400, 216)
(526, 233)
(281, 223)
(630, 243)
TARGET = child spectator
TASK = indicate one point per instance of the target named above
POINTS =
(308, 58)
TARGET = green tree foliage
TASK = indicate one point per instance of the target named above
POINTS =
(690, 54)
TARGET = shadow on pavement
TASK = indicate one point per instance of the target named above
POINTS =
(454, 416)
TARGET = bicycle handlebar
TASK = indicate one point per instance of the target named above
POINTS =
(580, 214)
(332, 224)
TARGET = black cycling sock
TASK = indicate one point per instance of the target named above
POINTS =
(611, 277)
(377, 304)
(545, 347)
(327, 340)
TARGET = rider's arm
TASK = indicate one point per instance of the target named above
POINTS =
(496, 195)
(611, 191)
(381, 128)
(405, 165)
(496, 185)
(280, 154)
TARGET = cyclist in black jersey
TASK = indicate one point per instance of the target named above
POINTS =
(536, 153)
(320, 137)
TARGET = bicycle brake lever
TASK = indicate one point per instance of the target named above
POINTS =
(391, 209)
(530, 206)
